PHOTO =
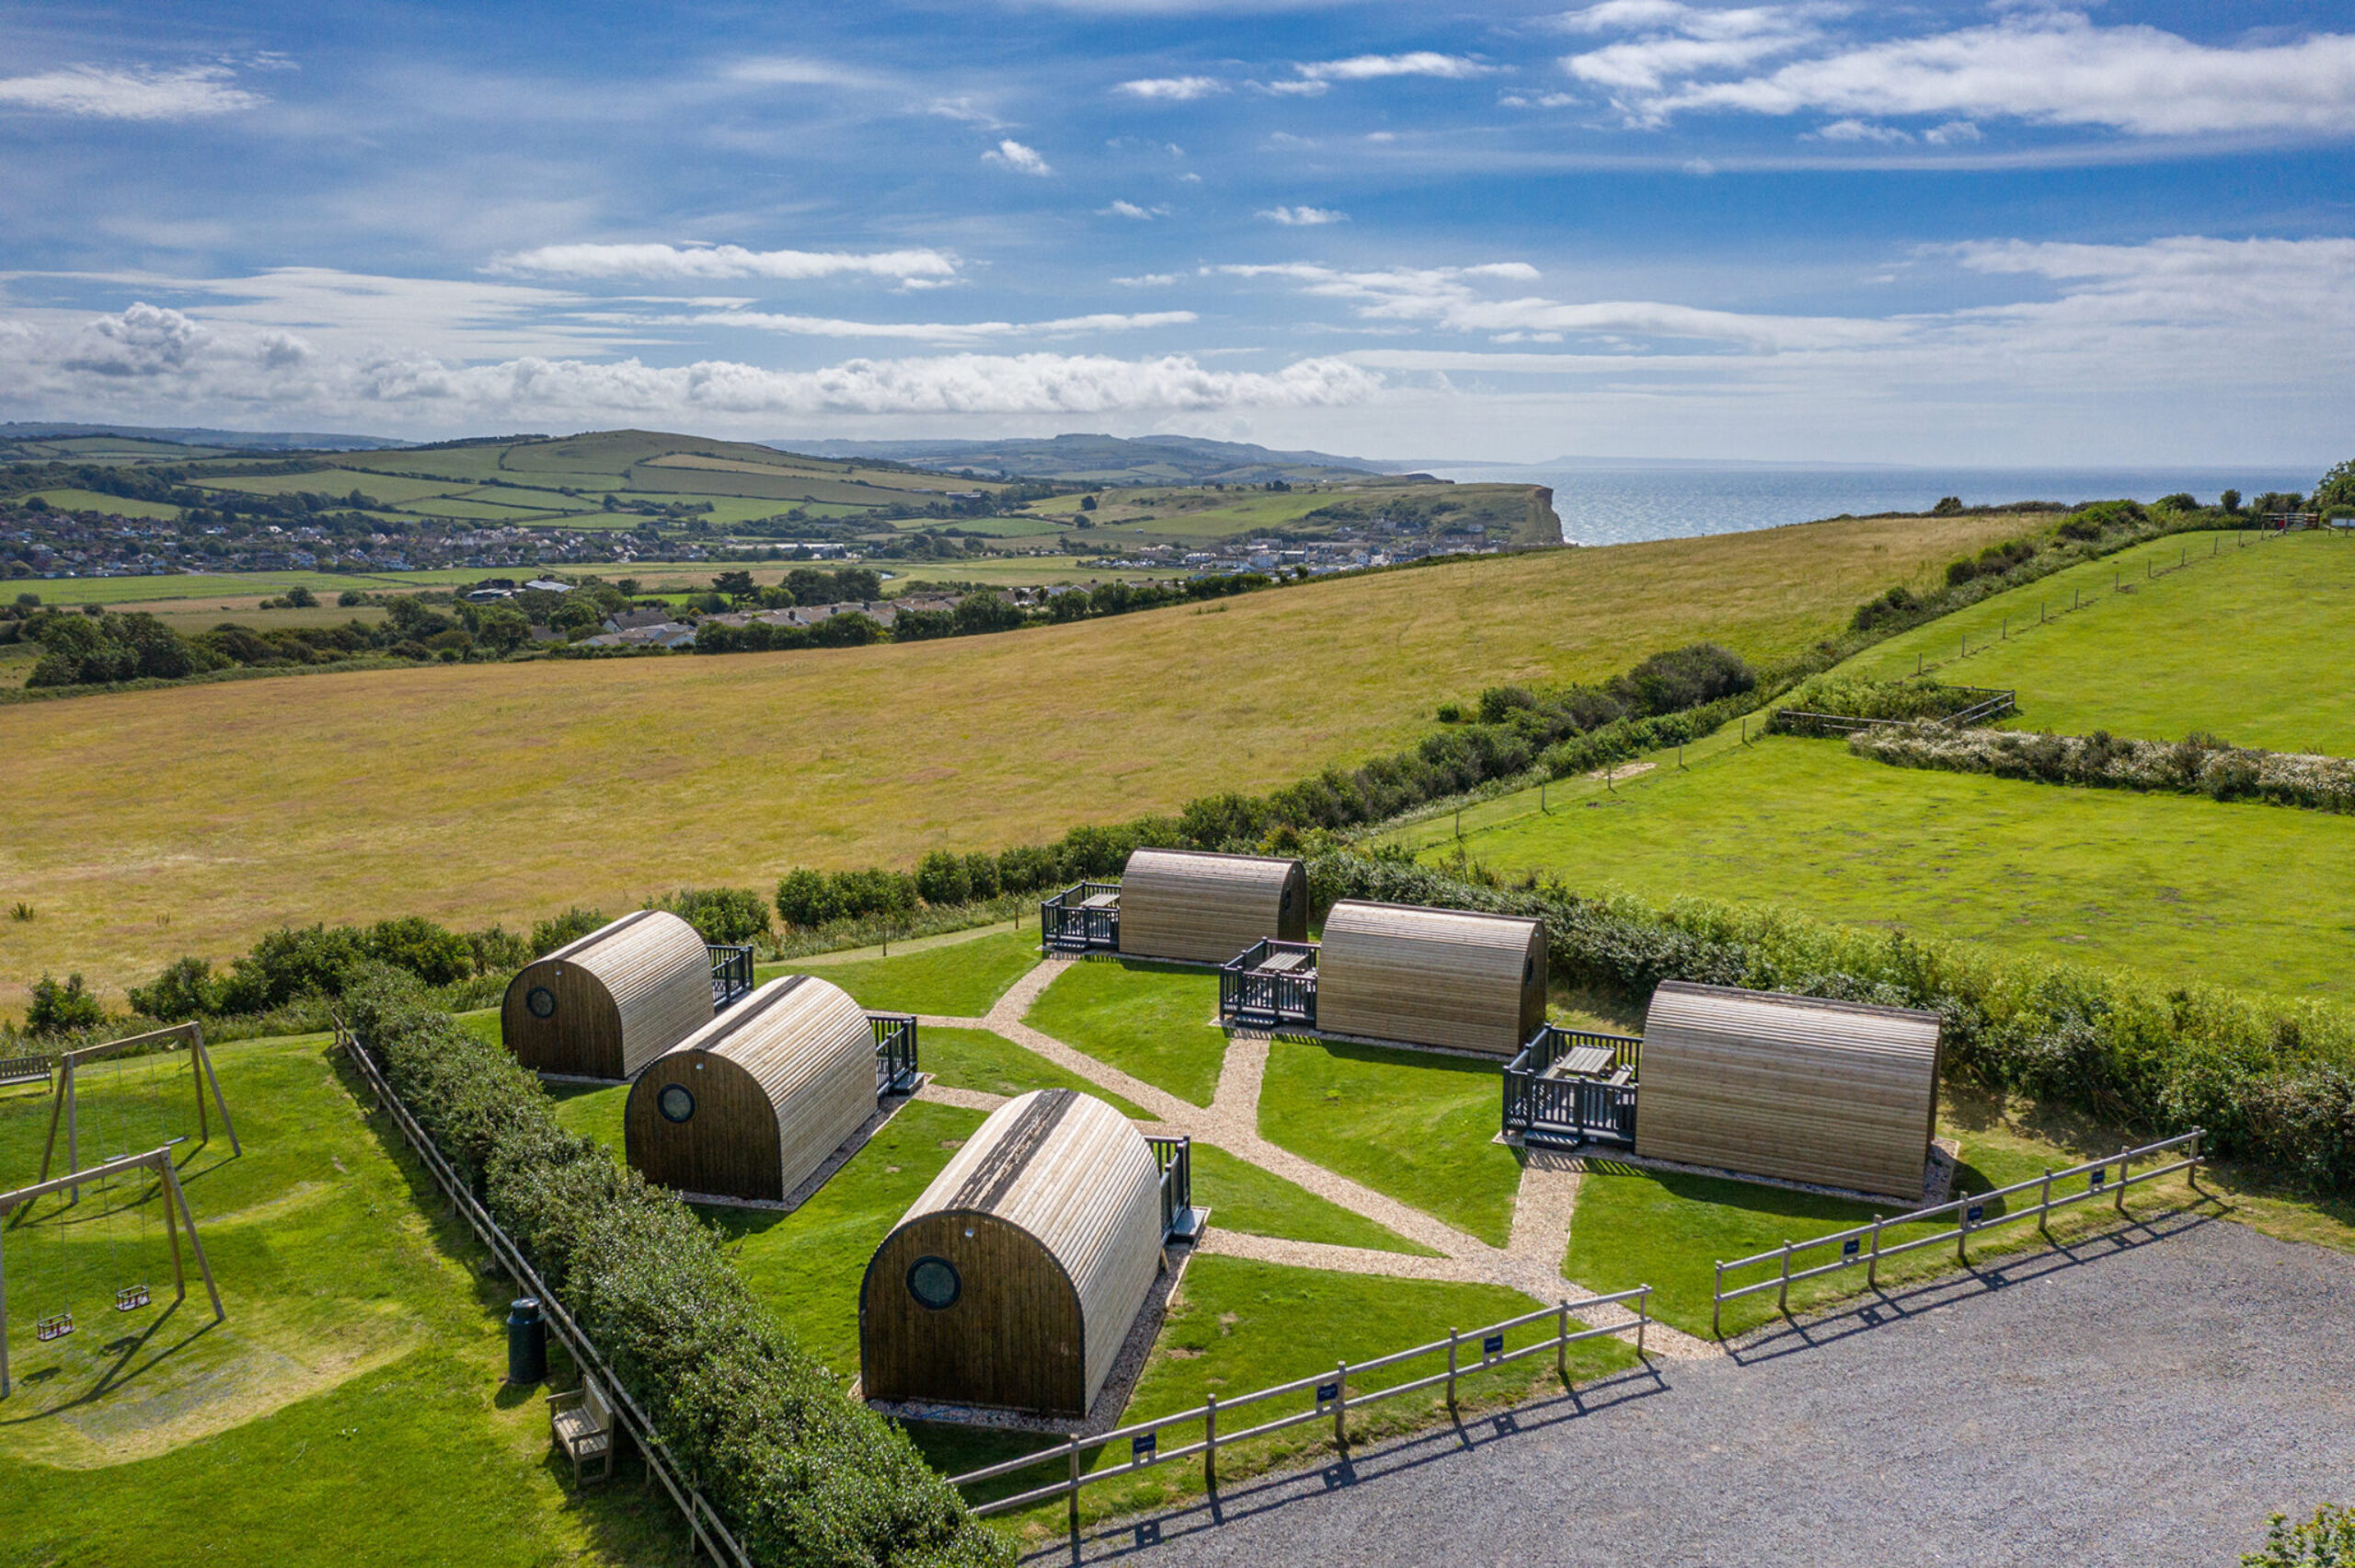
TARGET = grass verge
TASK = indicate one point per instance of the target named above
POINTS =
(978, 1060)
(957, 980)
(1152, 1021)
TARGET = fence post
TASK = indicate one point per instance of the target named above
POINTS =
(1451, 1370)
(1562, 1342)
(1210, 1445)
(1783, 1296)
(1074, 1485)
(1717, 1305)
(2119, 1201)
(1962, 1231)
(1340, 1407)
(1872, 1264)
(2044, 1205)
(2192, 1172)
(1643, 1320)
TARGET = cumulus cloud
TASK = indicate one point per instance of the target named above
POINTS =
(1119, 208)
(1303, 217)
(674, 262)
(1373, 67)
(951, 333)
(1860, 131)
(1011, 154)
(2037, 66)
(1148, 281)
(1171, 90)
(95, 92)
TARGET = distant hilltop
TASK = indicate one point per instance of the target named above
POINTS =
(1106, 459)
(16, 430)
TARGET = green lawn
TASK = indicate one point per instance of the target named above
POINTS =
(1156, 1022)
(1244, 1197)
(1417, 1125)
(975, 1058)
(960, 979)
(2237, 643)
(2243, 894)
(352, 1407)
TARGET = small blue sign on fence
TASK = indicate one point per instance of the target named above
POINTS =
(1978, 1211)
(2101, 1175)
(1327, 1392)
(1493, 1345)
(1849, 1248)
(1141, 1446)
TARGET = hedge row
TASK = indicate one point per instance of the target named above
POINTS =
(802, 1473)
(2272, 1082)
(2200, 764)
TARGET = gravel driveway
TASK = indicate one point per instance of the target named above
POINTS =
(2145, 1399)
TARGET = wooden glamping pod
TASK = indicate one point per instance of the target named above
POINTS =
(1015, 1277)
(1202, 907)
(750, 1104)
(1831, 1092)
(605, 1005)
(1451, 977)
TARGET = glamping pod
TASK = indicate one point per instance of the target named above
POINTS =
(1451, 977)
(605, 1005)
(1831, 1093)
(1200, 907)
(1015, 1277)
(750, 1104)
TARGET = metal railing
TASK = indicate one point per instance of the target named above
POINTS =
(895, 1052)
(1331, 1400)
(731, 973)
(1269, 999)
(1862, 1245)
(1572, 1110)
(1176, 1157)
(1067, 925)
(1992, 704)
(703, 1522)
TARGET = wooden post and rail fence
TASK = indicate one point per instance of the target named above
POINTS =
(1862, 1246)
(1329, 1398)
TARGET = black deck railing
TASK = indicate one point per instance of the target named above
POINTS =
(731, 973)
(1180, 1221)
(895, 1052)
(1545, 1102)
(1069, 924)
(1256, 996)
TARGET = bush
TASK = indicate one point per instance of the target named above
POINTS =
(2326, 1540)
(185, 990)
(497, 950)
(434, 954)
(575, 923)
(734, 916)
(942, 879)
(61, 1009)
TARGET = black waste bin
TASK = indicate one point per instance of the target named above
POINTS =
(527, 1343)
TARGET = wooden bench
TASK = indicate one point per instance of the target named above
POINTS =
(582, 1424)
(17, 1070)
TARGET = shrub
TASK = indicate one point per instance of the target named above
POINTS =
(2326, 1540)
(434, 954)
(942, 879)
(185, 990)
(804, 898)
(497, 950)
(734, 916)
(62, 1008)
(575, 923)
(982, 875)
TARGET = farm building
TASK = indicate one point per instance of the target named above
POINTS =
(752, 1102)
(1012, 1280)
(1831, 1093)
(606, 1004)
(1449, 978)
(1190, 906)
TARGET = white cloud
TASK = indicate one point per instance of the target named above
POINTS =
(661, 260)
(1148, 281)
(1171, 90)
(799, 71)
(1303, 217)
(1119, 208)
(1860, 131)
(1373, 67)
(2040, 68)
(950, 333)
(95, 92)
(1953, 133)
(1013, 155)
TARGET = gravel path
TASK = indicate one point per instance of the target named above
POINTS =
(2144, 1399)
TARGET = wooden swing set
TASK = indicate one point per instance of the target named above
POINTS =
(64, 1104)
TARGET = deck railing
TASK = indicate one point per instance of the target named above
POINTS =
(895, 1052)
(1179, 1219)
(1861, 1245)
(1572, 1110)
(1067, 925)
(1269, 999)
(1330, 1399)
(1991, 705)
(731, 973)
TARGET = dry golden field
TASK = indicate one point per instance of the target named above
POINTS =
(145, 825)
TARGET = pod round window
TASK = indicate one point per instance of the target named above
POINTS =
(676, 1103)
(1528, 970)
(1286, 905)
(934, 1283)
(541, 1001)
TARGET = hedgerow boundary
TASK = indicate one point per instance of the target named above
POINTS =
(798, 1472)
(2199, 764)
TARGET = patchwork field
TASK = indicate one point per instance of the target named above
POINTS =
(143, 824)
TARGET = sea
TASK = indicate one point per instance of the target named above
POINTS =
(1605, 504)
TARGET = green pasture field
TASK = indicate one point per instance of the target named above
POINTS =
(1157, 1022)
(352, 1408)
(2240, 634)
(116, 506)
(471, 792)
(389, 487)
(2236, 893)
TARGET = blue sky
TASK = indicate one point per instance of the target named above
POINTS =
(1944, 234)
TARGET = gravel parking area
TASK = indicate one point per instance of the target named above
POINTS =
(2145, 1398)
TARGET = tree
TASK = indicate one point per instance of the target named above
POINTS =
(1088, 503)
(502, 631)
(736, 585)
(1947, 505)
(300, 598)
(2182, 500)
(2230, 500)
(2326, 1540)
(2337, 488)
(57, 1009)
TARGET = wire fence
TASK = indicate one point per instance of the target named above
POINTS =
(1862, 1247)
(1329, 1395)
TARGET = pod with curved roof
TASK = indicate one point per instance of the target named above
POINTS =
(606, 1004)
(1012, 1280)
(1200, 907)
(1427, 976)
(752, 1102)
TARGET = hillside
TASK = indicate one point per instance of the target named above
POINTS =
(1109, 460)
(143, 824)
(27, 441)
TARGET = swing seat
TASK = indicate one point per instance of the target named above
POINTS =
(56, 1326)
(130, 1297)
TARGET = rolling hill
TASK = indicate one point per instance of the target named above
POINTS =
(1110, 459)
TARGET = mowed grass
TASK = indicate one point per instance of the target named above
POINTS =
(956, 979)
(2237, 640)
(1242, 1196)
(507, 791)
(2239, 894)
(991, 1064)
(352, 1407)
(1157, 1022)
(1417, 1125)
